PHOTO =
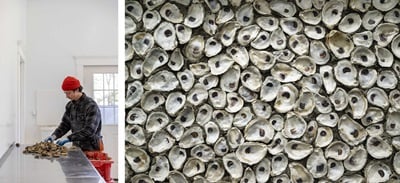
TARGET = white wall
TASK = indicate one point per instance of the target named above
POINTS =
(58, 31)
(12, 23)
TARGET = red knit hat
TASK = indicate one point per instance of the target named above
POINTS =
(70, 83)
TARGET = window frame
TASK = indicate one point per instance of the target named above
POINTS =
(92, 61)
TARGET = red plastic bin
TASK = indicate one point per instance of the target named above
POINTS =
(102, 163)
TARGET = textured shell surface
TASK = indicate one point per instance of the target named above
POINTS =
(262, 91)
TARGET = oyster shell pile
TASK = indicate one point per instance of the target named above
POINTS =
(46, 149)
(262, 90)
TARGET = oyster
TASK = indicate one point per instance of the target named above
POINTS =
(251, 152)
(151, 19)
(138, 159)
(356, 159)
(195, 15)
(165, 36)
(337, 150)
(332, 12)
(160, 170)
(298, 173)
(350, 131)
(133, 94)
(339, 43)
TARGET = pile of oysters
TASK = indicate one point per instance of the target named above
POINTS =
(46, 149)
(262, 91)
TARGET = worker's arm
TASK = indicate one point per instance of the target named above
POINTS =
(91, 123)
(65, 124)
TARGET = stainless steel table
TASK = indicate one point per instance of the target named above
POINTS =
(23, 168)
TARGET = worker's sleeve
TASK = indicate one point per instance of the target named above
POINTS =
(65, 124)
(91, 123)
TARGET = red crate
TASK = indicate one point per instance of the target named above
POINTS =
(102, 163)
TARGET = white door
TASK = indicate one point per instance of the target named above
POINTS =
(101, 84)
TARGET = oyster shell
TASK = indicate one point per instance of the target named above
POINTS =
(160, 142)
(350, 23)
(350, 131)
(279, 164)
(251, 152)
(215, 171)
(202, 152)
(192, 167)
(297, 150)
(212, 132)
(151, 18)
(298, 173)
(384, 33)
(259, 130)
(160, 170)
(244, 15)
(378, 148)
(195, 15)
(165, 36)
(284, 8)
(317, 164)
(371, 19)
(332, 13)
(358, 103)
(156, 58)
(235, 138)
(263, 170)
(367, 77)
(134, 9)
(337, 150)
(335, 170)
(133, 94)
(286, 98)
(232, 165)
(295, 126)
(268, 23)
(339, 43)
(377, 172)
(356, 159)
(138, 159)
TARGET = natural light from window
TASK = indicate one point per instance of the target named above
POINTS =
(105, 92)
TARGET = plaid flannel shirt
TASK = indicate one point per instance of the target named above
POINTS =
(83, 118)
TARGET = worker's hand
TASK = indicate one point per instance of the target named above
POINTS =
(62, 142)
(50, 138)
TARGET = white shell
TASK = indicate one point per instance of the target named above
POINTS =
(339, 43)
(138, 159)
(350, 131)
(297, 150)
(151, 18)
(232, 165)
(165, 36)
(259, 130)
(378, 148)
(251, 152)
(195, 15)
(356, 159)
(299, 172)
(134, 93)
(159, 171)
(337, 150)
(317, 164)
(332, 12)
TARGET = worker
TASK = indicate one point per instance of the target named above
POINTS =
(82, 116)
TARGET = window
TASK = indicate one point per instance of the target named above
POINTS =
(101, 84)
(105, 93)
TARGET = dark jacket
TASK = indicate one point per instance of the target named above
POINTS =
(83, 118)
